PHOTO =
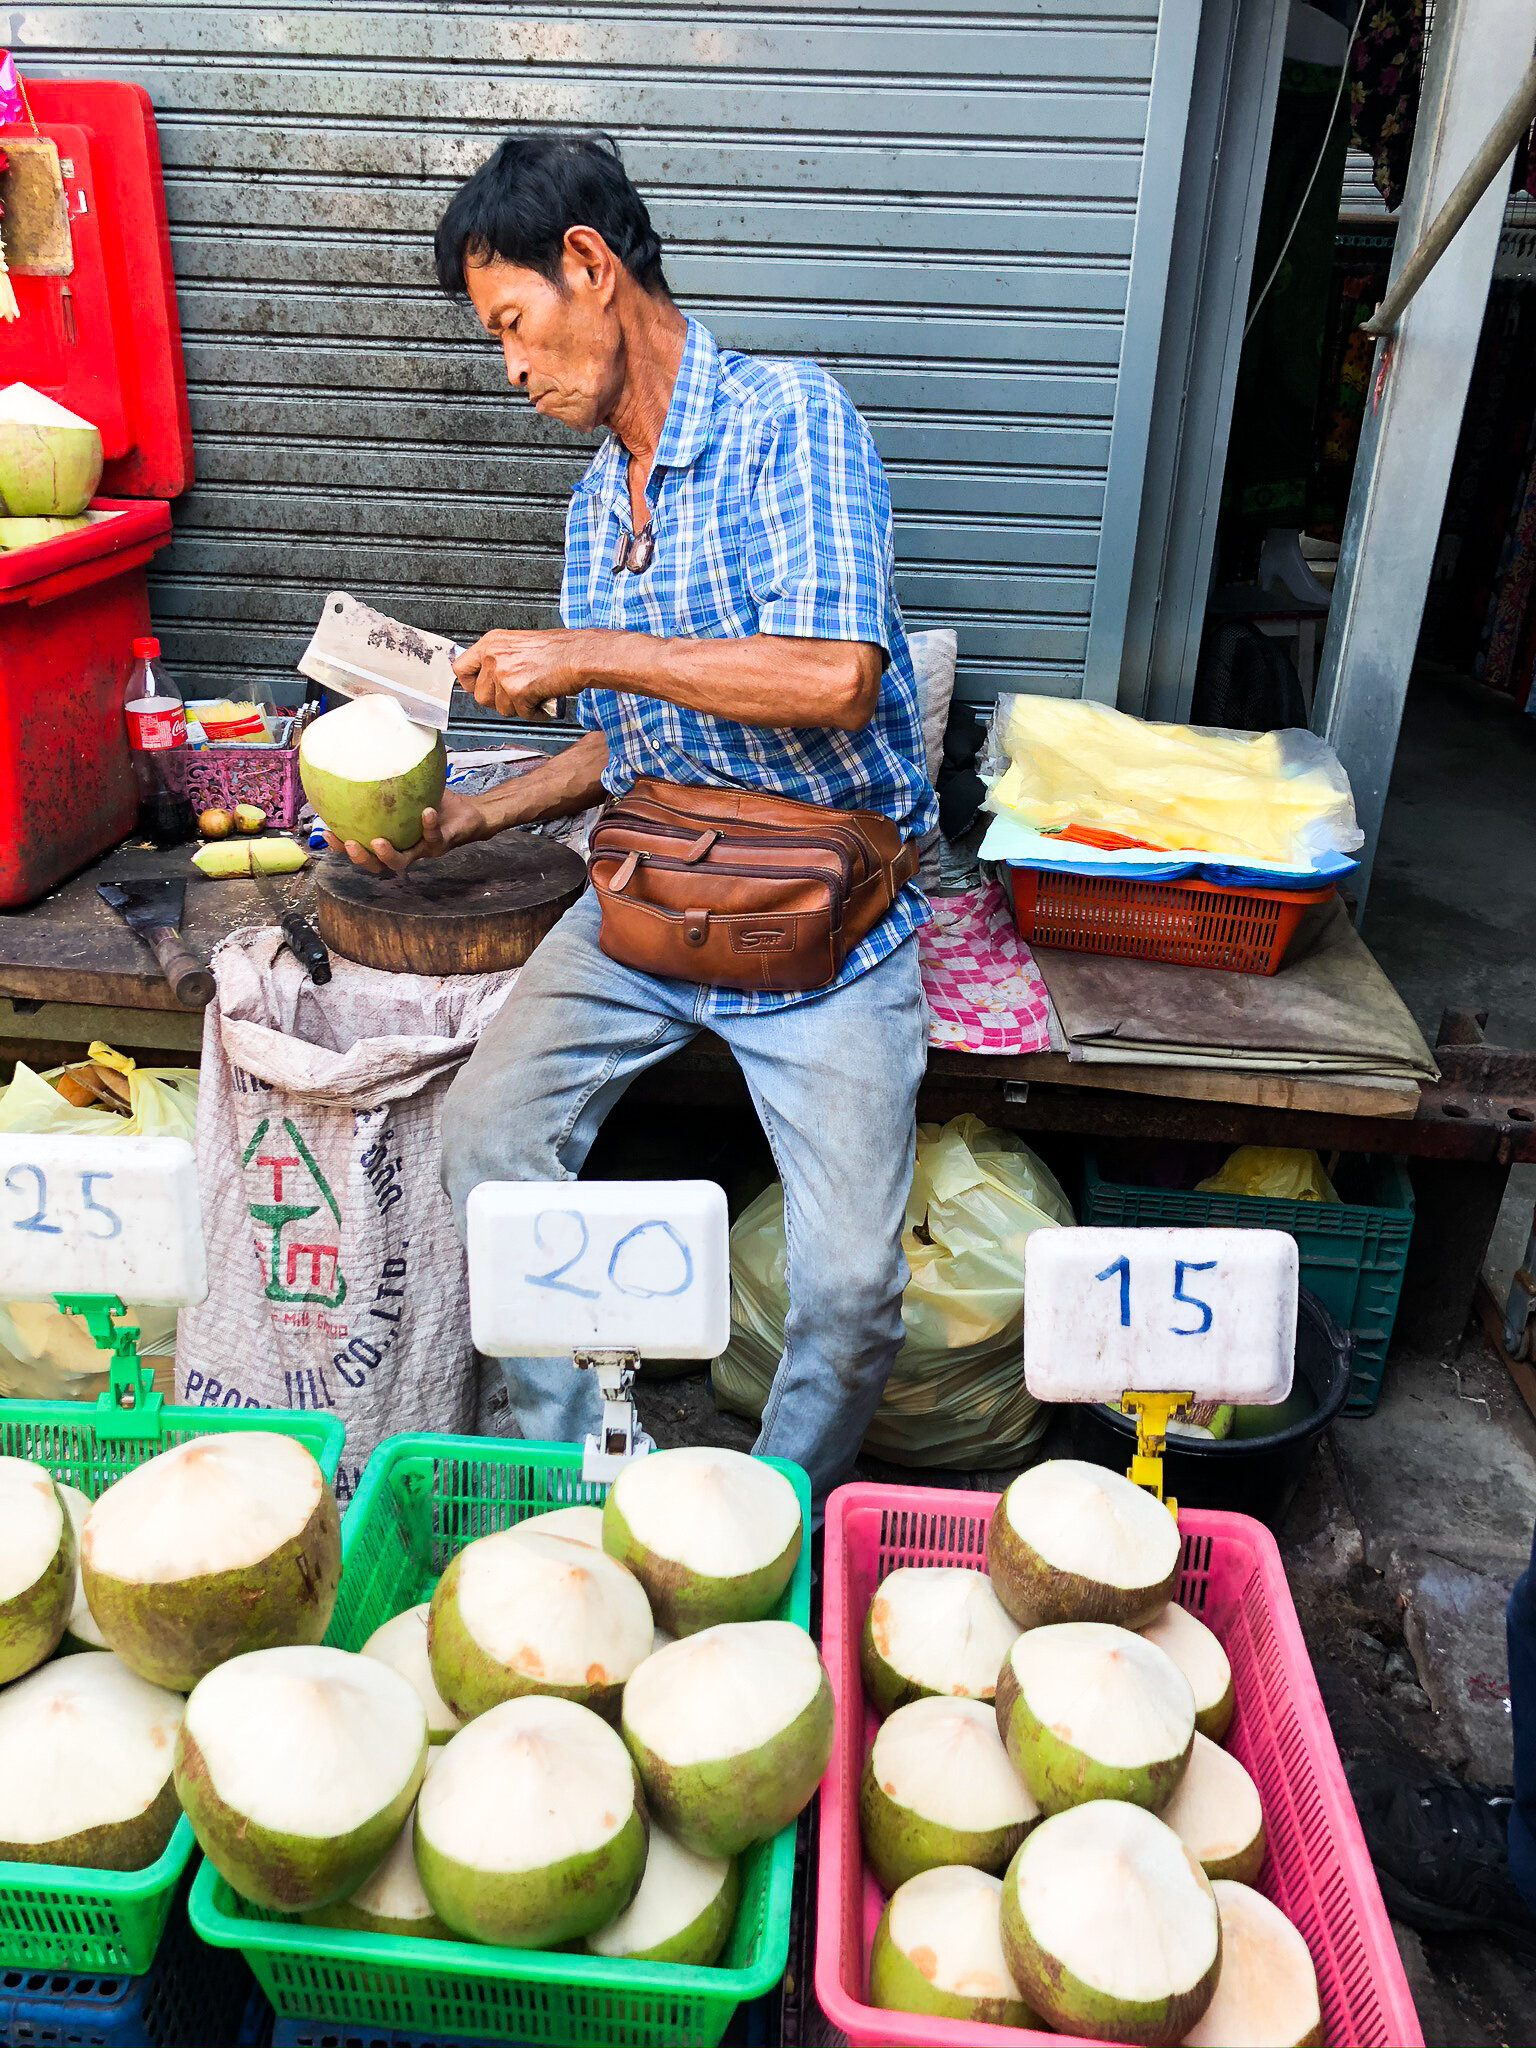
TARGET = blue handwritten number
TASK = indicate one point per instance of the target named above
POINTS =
(1180, 1268)
(552, 1278)
(35, 1220)
(652, 1293)
(1122, 1266)
(94, 1208)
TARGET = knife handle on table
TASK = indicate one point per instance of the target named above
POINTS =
(306, 946)
(190, 981)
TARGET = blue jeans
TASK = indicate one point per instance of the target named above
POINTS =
(1520, 1629)
(834, 1081)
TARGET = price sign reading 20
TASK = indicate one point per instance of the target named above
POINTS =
(598, 1265)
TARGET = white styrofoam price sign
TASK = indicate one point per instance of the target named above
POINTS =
(1110, 1311)
(101, 1216)
(634, 1265)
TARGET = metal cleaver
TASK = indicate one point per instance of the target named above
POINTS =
(364, 653)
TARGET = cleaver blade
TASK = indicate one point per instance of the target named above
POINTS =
(365, 653)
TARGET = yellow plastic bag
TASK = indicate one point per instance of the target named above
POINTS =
(1275, 1170)
(45, 1355)
(1277, 796)
(956, 1394)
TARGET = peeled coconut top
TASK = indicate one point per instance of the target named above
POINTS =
(1093, 1523)
(943, 1628)
(394, 1892)
(579, 1524)
(557, 1609)
(401, 1643)
(82, 1624)
(306, 1740)
(29, 408)
(1195, 1649)
(1105, 1690)
(950, 1917)
(718, 1513)
(1117, 1899)
(32, 1521)
(1216, 1811)
(86, 1743)
(369, 739)
(530, 1783)
(1266, 1995)
(726, 1690)
(676, 1888)
(944, 1759)
(216, 1504)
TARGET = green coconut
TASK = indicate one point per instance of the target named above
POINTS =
(519, 1612)
(731, 1730)
(938, 1788)
(370, 772)
(931, 1630)
(50, 459)
(401, 1643)
(390, 1900)
(712, 1535)
(80, 1631)
(1090, 1711)
(28, 533)
(1217, 1814)
(1110, 1926)
(531, 1830)
(37, 1566)
(1266, 1996)
(1199, 1655)
(221, 1546)
(297, 1768)
(682, 1913)
(88, 1749)
(938, 1950)
(1074, 1542)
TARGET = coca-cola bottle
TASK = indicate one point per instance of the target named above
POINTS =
(157, 723)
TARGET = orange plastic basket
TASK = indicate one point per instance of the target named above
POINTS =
(1192, 924)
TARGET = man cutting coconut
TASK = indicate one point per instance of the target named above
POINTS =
(732, 640)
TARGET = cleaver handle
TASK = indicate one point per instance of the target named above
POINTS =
(190, 981)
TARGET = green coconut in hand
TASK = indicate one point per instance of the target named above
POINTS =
(370, 772)
(933, 1630)
(1074, 1542)
(37, 1566)
(938, 1788)
(712, 1535)
(297, 1768)
(938, 1950)
(1090, 1711)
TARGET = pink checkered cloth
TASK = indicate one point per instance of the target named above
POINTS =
(984, 990)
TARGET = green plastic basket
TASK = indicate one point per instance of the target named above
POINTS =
(53, 1917)
(422, 1499)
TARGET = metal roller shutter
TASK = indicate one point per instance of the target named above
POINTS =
(954, 205)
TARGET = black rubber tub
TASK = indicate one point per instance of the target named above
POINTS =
(1256, 1473)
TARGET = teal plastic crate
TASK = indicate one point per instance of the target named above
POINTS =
(1353, 1254)
(421, 1500)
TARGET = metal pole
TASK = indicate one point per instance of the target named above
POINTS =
(1470, 187)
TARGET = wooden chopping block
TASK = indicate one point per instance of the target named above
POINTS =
(475, 910)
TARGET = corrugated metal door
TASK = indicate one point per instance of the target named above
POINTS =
(961, 207)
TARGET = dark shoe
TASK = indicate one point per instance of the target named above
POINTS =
(1441, 1851)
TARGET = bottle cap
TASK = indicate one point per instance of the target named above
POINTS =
(146, 648)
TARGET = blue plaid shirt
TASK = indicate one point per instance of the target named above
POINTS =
(770, 514)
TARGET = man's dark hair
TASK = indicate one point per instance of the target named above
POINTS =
(518, 206)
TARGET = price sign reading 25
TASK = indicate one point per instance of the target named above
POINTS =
(558, 1266)
(88, 1215)
(1112, 1310)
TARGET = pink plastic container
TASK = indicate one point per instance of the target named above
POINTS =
(1317, 1869)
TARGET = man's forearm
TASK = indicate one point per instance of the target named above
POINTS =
(765, 679)
(560, 787)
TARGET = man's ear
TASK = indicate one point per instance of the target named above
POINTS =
(589, 264)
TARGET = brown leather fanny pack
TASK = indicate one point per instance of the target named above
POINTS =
(741, 890)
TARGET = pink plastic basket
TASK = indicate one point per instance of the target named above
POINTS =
(1317, 1870)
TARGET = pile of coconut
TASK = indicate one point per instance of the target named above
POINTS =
(1063, 1840)
(610, 1716)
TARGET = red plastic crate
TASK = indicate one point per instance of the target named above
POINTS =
(1190, 923)
(1316, 1869)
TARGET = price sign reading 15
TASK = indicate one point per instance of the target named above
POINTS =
(599, 1265)
(1107, 1310)
(87, 1215)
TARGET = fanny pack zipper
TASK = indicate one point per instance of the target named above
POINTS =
(716, 836)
